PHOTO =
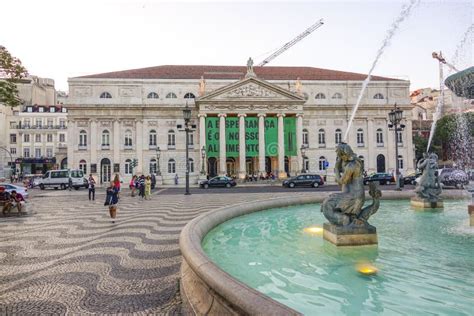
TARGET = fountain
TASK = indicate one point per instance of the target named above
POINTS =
(347, 218)
(428, 188)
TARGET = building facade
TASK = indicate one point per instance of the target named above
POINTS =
(276, 120)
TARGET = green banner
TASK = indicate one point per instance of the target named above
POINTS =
(271, 136)
(212, 137)
(251, 136)
(290, 136)
(232, 137)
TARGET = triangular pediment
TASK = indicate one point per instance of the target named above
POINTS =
(251, 89)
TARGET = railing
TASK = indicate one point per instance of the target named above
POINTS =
(127, 147)
(82, 147)
(360, 144)
(380, 144)
(40, 127)
(105, 147)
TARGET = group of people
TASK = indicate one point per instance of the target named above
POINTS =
(254, 177)
(143, 185)
(10, 201)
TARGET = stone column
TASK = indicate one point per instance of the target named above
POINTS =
(72, 141)
(202, 139)
(410, 160)
(242, 149)
(299, 140)
(139, 146)
(261, 143)
(116, 143)
(222, 149)
(371, 145)
(93, 137)
(390, 154)
(281, 147)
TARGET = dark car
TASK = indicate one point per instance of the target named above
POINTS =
(304, 180)
(381, 178)
(411, 178)
(220, 181)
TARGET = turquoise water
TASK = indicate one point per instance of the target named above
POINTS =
(425, 261)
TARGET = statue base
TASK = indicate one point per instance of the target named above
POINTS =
(350, 236)
(425, 204)
(470, 210)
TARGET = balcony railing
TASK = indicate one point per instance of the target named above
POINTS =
(40, 127)
(380, 145)
(82, 147)
(360, 145)
(105, 147)
(128, 147)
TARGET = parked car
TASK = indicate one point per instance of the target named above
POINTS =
(220, 181)
(381, 178)
(18, 188)
(60, 179)
(411, 178)
(453, 177)
(304, 180)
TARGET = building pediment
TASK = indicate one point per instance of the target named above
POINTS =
(251, 89)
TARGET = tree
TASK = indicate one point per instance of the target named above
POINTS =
(11, 72)
(420, 146)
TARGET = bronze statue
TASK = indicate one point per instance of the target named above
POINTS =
(428, 187)
(345, 208)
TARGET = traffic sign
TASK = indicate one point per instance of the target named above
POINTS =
(326, 164)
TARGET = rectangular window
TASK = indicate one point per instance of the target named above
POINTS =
(37, 152)
(26, 138)
(12, 124)
(39, 123)
(52, 109)
(49, 138)
(29, 109)
(49, 152)
(62, 123)
(26, 123)
(12, 138)
(26, 152)
(50, 123)
(62, 138)
(38, 138)
(41, 109)
(191, 139)
(13, 151)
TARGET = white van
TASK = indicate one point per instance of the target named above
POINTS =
(60, 179)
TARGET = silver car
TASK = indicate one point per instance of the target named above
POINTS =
(12, 187)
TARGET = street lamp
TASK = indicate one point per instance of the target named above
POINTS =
(203, 157)
(395, 116)
(187, 118)
(158, 154)
(303, 157)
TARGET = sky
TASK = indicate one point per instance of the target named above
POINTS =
(70, 38)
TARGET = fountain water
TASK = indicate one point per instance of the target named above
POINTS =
(390, 33)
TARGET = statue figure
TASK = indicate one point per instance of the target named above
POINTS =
(298, 86)
(250, 72)
(202, 86)
(428, 187)
(345, 208)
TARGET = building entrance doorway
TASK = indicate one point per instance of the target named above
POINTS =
(105, 170)
(230, 166)
(380, 163)
(249, 167)
(212, 167)
(268, 165)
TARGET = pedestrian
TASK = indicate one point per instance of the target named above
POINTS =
(153, 181)
(70, 183)
(111, 199)
(176, 179)
(117, 184)
(17, 200)
(91, 186)
(132, 185)
(148, 188)
(141, 186)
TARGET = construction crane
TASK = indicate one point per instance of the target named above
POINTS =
(442, 60)
(308, 31)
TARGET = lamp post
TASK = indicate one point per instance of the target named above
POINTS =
(303, 157)
(395, 116)
(158, 154)
(203, 157)
(187, 118)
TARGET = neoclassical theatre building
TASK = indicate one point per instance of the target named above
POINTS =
(245, 121)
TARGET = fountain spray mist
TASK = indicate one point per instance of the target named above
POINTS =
(439, 105)
(406, 10)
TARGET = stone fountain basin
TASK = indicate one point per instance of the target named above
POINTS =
(207, 289)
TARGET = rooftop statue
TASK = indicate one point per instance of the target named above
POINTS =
(250, 72)
(428, 187)
(346, 208)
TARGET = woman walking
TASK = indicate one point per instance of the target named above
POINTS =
(141, 186)
(91, 182)
(132, 185)
(111, 199)
(147, 188)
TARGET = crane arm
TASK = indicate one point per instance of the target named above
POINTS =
(295, 40)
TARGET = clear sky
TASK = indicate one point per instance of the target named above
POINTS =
(69, 38)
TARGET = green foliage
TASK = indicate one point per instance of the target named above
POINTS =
(11, 71)
(420, 146)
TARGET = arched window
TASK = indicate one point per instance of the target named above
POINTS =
(171, 138)
(191, 165)
(400, 162)
(128, 138)
(337, 95)
(128, 167)
(83, 138)
(378, 96)
(360, 136)
(152, 95)
(305, 137)
(105, 95)
(362, 161)
(83, 166)
(152, 138)
(105, 138)
(189, 95)
(322, 163)
(379, 136)
(399, 137)
(338, 136)
(153, 166)
(171, 166)
(321, 137)
(171, 95)
(320, 96)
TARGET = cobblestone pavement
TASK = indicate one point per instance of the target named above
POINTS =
(68, 256)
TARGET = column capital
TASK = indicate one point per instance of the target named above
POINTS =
(242, 115)
(299, 114)
(281, 115)
(261, 114)
(202, 115)
(222, 115)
